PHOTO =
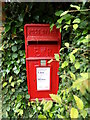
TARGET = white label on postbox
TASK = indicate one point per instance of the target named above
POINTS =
(43, 78)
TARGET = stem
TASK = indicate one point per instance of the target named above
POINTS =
(79, 10)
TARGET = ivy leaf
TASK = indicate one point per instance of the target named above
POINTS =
(72, 75)
(10, 79)
(48, 105)
(79, 102)
(7, 28)
(43, 102)
(64, 64)
(85, 75)
(74, 113)
(84, 113)
(29, 104)
(21, 112)
(66, 27)
(68, 22)
(27, 96)
(56, 57)
(60, 20)
(14, 48)
(58, 13)
(86, 84)
(77, 65)
(18, 105)
(64, 13)
(75, 26)
(14, 55)
(12, 84)
(72, 58)
(74, 51)
(41, 117)
(67, 45)
(82, 89)
(60, 116)
(4, 84)
(75, 6)
(77, 20)
(51, 26)
(56, 98)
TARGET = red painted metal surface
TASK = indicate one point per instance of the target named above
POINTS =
(41, 44)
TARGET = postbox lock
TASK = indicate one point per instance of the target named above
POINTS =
(43, 62)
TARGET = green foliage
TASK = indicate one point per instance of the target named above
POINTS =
(48, 105)
(56, 98)
(56, 57)
(73, 94)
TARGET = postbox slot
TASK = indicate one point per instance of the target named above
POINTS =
(42, 42)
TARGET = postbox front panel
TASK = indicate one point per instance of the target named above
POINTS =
(42, 77)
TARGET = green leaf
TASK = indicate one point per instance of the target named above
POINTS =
(77, 20)
(84, 41)
(75, 6)
(41, 116)
(67, 45)
(14, 55)
(18, 105)
(84, 113)
(82, 89)
(50, 114)
(74, 51)
(51, 26)
(79, 102)
(16, 70)
(66, 27)
(7, 28)
(68, 22)
(88, 36)
(14, 48)
(74, 113)
(60, 20)
(61, 49)
(64, 64)
(29, 104)
(58, 13)
(43, 102)
(10, 79)
(48, 105)
(64, 13)
(56, 56)
(60, 116)
(72, 58)
(4, 84)
(27, 96)
(12, 84)
(21, 112)
(77, 65)
(75, 26)
(85, 75)
(72, 75)
(56, 98)
(8, 108)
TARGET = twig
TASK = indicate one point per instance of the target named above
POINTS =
(79, 10)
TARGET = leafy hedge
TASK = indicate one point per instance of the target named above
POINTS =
(73, 94)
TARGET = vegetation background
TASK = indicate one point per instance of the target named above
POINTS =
(72, 101)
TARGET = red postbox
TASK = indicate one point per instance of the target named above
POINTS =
(40, 46)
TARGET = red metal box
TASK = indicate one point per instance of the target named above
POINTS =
(40, 46)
